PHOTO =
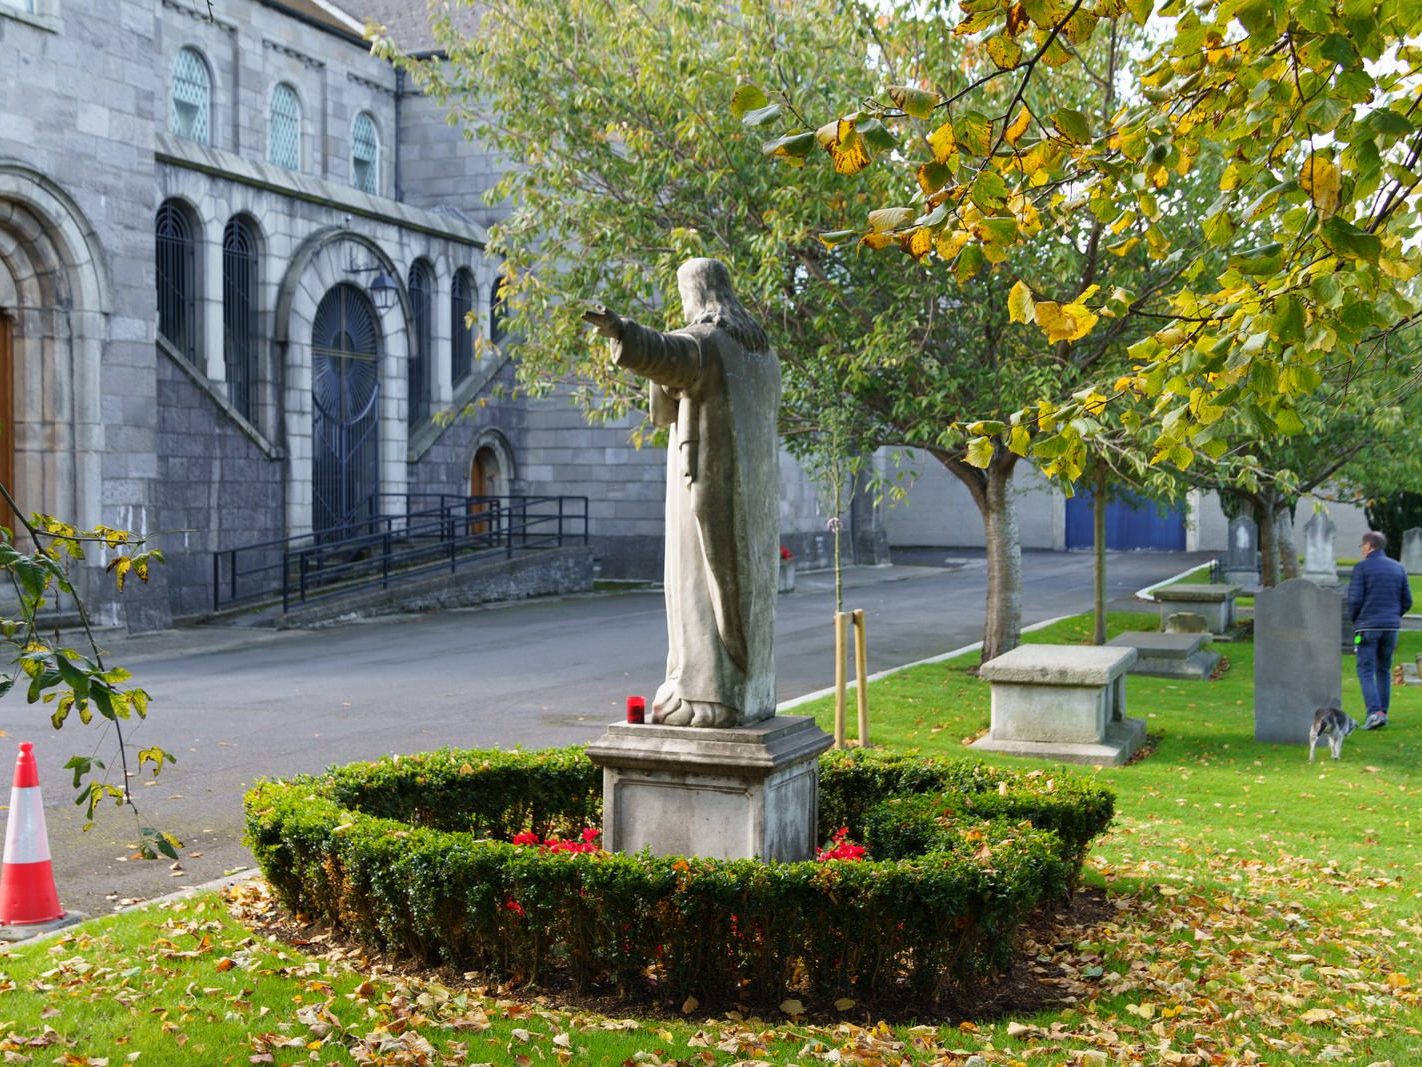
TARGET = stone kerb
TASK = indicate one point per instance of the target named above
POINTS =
(1064, 702)
(1214, 601)
(739, 793)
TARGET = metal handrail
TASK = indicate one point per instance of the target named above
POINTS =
(432, 531)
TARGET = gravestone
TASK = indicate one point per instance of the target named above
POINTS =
(1320, 563)
(1212, 601)
(1242, 556)
(1412, 550)
(1298, 666)
(1185, 622)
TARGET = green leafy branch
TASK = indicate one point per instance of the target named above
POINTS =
(73, 682)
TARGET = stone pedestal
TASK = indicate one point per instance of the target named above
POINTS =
(1214, 601)
(1169, 655)
(1062, 702)
(740, 793)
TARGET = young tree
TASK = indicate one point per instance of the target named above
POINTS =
(633, 163)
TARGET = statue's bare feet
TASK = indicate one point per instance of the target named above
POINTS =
(693, 713)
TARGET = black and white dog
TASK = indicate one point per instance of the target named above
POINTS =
(1332, 724)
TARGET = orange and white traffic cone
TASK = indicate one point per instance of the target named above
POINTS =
(27, 892)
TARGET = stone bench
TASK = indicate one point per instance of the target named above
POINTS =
(1169, 655)
(1214, 601)
(1062, 702)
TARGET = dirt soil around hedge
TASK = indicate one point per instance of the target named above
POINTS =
(1033, 984)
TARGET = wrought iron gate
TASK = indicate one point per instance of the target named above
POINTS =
(345, 387)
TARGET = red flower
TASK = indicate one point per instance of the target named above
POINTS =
(786, 554)
(514, 906)
(527, 837)
(841, 848)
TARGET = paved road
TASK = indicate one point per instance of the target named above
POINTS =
(234, 705)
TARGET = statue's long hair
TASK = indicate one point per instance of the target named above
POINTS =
(707, 297)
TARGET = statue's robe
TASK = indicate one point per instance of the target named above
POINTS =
(720, 404)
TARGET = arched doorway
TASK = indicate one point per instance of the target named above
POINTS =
(485, 486)
(54, 301)
(345, 394)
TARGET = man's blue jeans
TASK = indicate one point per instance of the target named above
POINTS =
(1375, 667)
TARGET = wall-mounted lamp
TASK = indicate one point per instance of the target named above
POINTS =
(383, 289)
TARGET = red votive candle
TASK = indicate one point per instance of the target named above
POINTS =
(636, 710)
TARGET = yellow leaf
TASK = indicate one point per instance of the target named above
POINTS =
(1064, 322)
(844, 1004)
(1004, 51)
(917, 103)
(792, 1007)
(1020, 305)
(950, 244)
(919, 243)
(980, 451)
(1018, 440)
(942, 142)
(1318, 1015)
(890, 218)
(877, 241)
(1321, 180)
(1398, 981)
(1018, 127)
(689, 1005)
(849, 152)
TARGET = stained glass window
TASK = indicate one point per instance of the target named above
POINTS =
(190, 114)
(284, 128)
(365, 154)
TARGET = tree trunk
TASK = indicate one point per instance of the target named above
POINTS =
(991, 490)
(1288, 547)
(1268, 550)
(1002, 628)
(1098, 537)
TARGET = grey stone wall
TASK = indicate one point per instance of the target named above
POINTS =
(554, 572)
(216, 487)
(439, 167)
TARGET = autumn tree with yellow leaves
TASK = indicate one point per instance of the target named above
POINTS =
(642, 133)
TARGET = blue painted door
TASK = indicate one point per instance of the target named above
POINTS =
(1131, 522)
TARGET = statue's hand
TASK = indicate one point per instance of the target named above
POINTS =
(605, 322)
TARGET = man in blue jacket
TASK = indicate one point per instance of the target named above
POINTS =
(1378, 597)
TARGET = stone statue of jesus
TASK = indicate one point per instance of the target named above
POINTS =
(716, 386)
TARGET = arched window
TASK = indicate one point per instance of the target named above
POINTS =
(284, 128)
(498, 310)
(190, 110)
(177, 279)
(461, 305)
(421, 323)
(239, 313)
(365, 154)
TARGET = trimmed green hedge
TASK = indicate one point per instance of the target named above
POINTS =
(894, 803)
(411, 854)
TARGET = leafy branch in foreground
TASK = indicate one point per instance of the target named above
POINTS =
(70, 681)
(1312, 109)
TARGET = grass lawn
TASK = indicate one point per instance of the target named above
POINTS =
(1259, 910)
